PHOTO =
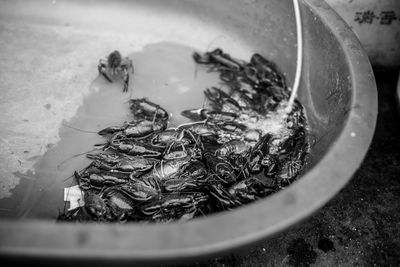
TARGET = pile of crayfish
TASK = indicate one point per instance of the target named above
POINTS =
(239, 148)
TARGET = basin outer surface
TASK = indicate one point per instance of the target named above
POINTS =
(339, 92)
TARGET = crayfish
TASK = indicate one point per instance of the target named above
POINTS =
(116, 66)
(236, 150)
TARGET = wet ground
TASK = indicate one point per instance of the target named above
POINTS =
(361, 225)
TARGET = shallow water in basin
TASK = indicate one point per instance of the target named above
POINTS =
(164, 73)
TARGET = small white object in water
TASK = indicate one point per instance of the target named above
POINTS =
(74, 195)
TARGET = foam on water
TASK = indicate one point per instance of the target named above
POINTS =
(273, 123)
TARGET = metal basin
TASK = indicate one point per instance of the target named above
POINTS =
(337, 89)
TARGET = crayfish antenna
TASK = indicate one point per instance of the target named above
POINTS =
(77, 129)
(74, 156)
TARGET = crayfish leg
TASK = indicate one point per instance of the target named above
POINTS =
(126, 80)
(102, 68)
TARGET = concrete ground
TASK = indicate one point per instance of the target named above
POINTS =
(360, 226)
